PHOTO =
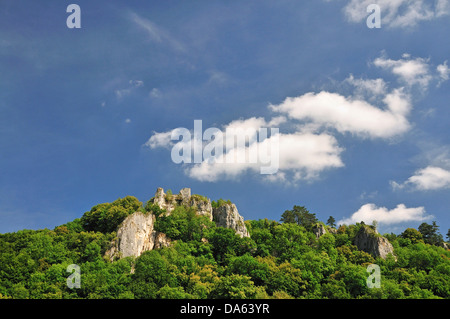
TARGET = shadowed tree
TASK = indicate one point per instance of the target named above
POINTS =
(299, 215)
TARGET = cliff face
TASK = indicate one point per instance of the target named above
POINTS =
(136, 234)
(370, 241)
(319, 230)
(227, 216)
(169, 201)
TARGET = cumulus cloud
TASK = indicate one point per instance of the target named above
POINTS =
(367, 87)
(162, 139)
(301, 156)
(429, 178)
(297, 155)
(370, 212)
(398, 13)
(345, 114)
(410, 71)
(306, 142)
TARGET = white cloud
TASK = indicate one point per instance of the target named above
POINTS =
(219, 78)
(370, 212)
(159, 140)
(156, 33)
(443, 71)
(307, 146)
(301, 156)
(367, 87)
(350, 115)
(120, 94)
(133, 85)
(398, 13)
(155, 93)
(136, 83)
(410, 71)
(429, 178)
(297, 155)
(442, 7)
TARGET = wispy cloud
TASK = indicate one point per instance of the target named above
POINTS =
(156, 33)
(131, 87)
(398, 13)
(443, 71)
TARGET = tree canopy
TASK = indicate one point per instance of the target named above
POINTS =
(279, 260)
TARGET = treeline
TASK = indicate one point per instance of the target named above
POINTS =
(280, 260)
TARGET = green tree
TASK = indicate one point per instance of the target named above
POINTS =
(413, 235)
(225, 242)
(107, 216)
(248, 265)
(430, 233)
(299, 215)
(184, 223)
(331, 221)
(167, 292)
(236, 286)
(289, 241)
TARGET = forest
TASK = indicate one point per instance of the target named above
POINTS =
(280, 260)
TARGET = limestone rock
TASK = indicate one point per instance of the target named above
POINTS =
(319, 230)
(227, 216)
(202, 206)
(332, 230)
(169, 201)
(161, 240)
(185, 195)
(134, 236)
(368, 240)
(164, 201)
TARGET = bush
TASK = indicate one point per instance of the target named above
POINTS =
(107, 217)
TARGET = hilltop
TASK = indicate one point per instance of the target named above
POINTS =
(186, 246)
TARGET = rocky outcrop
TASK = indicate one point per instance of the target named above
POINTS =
(136, 233)
(319, 230)
(169, 201)
(227, 216)
(161, 240)
(367, 239)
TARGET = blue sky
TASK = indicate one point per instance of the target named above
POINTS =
(363, 113)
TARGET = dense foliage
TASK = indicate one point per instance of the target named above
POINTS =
(280, 260)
